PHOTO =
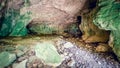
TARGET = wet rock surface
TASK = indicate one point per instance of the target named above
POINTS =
(72, 55)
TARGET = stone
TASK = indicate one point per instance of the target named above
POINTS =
(42, 29)
(21, 64)
(48, 53)
(54, 14)
(91, 33)
(9, 48)
(2, 10)
(13, 23)
(68, 45)
(107, 18)
(34, 62)
(39, 16)
(19, 53)
(6, 58)
(14, 4)
(72, 30)
(111, 41)
(2, 5)
(21, 50)
(103, 48)
(21, 47)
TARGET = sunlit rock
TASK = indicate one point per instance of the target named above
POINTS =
(6, 58)
(48, 53)
(103, 48)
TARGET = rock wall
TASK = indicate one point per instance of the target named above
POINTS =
(54, 14)
(2, 6)
(13, 23)
(107, 18)
(91, 33)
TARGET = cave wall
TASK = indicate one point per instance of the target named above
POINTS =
(107, 18)
(17, 18)
(91, 33)
(34, 16)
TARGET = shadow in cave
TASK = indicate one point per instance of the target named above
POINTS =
(73, 29)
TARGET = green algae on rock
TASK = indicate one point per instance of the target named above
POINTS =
(42, 29)
(91, 33)
(107, 18)
(48, 53)
(13, 23)
(6, 58)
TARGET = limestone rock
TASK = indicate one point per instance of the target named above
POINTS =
(13, 23)
(91, 33)
(6, 58)
(15, 4)
(2, 6)
(48, 53)
(107, 18)
(72, 30)
(111, 41)
(56, 14)
(35, 62)
(103, 48)
(21, 64)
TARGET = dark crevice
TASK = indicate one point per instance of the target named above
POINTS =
(115, 56)
(92, 4)
(73, 29)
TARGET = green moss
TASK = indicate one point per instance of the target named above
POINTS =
(42, 29)
(14, 23)
(107, 18)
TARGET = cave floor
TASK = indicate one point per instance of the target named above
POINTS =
(69, 53)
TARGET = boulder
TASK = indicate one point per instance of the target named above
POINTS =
(47, 52)
(102, 47)
(6, 58)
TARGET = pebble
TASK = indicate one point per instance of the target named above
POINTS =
(68, 45)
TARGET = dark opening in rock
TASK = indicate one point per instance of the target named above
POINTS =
(92, 4)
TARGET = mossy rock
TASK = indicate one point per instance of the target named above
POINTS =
(6, 58)
(91, 33)
(48, 53)
(107, 18)
(42, 29)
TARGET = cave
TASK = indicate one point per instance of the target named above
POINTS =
(59, 34)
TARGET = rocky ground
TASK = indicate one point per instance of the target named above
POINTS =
(52, 52)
